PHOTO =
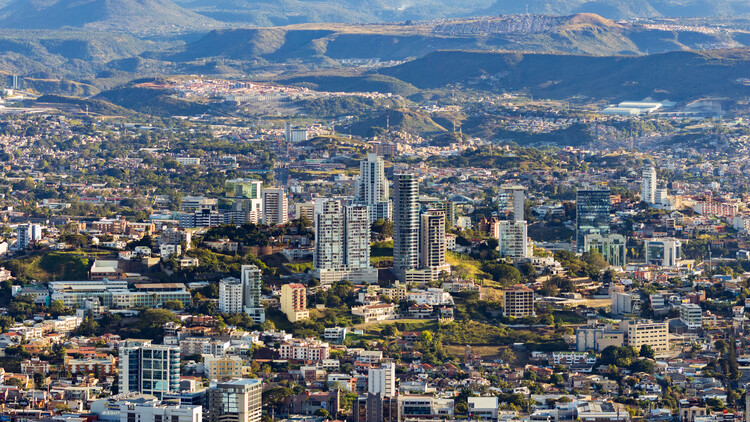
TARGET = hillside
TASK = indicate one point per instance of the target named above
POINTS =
(134, 16)
(403, 120)
(675, 75)
(286, 12)
(158, 102)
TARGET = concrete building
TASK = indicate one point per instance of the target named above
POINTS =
(147, 368)
(405, 224)
(342, 244)
(613, 247)
(483, 408)
(648, 185)
(511, 202)
(27, 233)
(230, 295)
(235, 401)
(275, 206)
(640, 332)
(372, 188)
(664, 252)
(251, 286)
(294, 302)
(223, 368)
(512, 239)
(593, 206)
(432, 241)
(598, 338)
(382, 380)
(155, 411)
(518, 301)
(414, 407)
(691, 315)
(625, 303)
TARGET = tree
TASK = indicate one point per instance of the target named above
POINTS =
(647, 351)
(174, 305)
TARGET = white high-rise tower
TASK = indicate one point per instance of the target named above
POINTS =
(372, 187)
(648, 185)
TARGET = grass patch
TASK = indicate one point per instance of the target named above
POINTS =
(300, 267)
(471, 265)
(568, 317)
(382, 249)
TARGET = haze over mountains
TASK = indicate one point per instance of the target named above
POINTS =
(167, 16)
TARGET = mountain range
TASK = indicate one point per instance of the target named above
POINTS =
(166, 16)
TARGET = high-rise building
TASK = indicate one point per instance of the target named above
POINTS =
(593, 206)
(275, 206)
(382, 380)
(518, 301)
(231, 296)
(664, 252)
(512, 239)
(405, 223)
(251, 286)
(612, 247)
(27, 233)
(648, 185)
(148, 368)
(511, 202)
(294, 302)
(372, 188)
(235, 401)
(342, 244)
(432, 240)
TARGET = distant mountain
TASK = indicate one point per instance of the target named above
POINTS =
(677, 76)
(286, 12)
(135, 16)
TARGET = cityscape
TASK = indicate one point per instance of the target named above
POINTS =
(358, 211)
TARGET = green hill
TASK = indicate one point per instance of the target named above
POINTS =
(404, 120)
(158, 102)
(675, 75)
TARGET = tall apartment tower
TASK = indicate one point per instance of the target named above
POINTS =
(512, 239)
(648, 185)
(231, 297)
(235, 401)
(275, 206)
(342, 244)
(148, 369)
(405, 223)
(329, 236)
(512, 202)
(432, 243)
(593, 206)
(382, 380)
(251, 285)
(372, 188)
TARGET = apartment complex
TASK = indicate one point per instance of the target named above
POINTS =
(148, 368)
(235, 401)
(518, 301)
(275, 206)
(342, 244)
(294, 302)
